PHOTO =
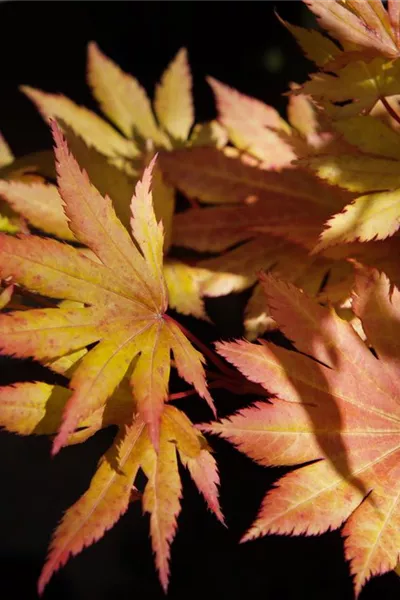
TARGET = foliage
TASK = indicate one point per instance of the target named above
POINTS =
(305, 211)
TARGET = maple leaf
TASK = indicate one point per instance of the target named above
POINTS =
(36, 407)
(252, 125)
(39, 202)
(376, 214)
(366, 71)
(257, 129)
(314, 44)
(28, 170)
(364, 26)
(124, 295)
(340, 410)
(356, 79)
(358, 85)
(184, 288)
(125, 102)
(110, 490)
(208, 175)
(115, 295)
(214, 177)
(130, 148)
(41, 205)
(277, 218)
(122, 99)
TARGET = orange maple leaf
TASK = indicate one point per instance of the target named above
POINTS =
(124, 297)
(113, 296)
(112, 487)
(361, 26)
(335, 403)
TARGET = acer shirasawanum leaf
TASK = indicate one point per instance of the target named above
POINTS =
(124, 295)
(341, 410)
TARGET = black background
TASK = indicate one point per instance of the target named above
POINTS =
(43, 44)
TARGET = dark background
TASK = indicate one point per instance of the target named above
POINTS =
(43, 44)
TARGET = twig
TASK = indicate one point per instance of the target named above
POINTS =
(390, 110)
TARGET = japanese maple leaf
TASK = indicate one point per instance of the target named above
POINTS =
(316, 46)
(115, 157)
(40, 205)
(257, 129)
(362, 26)
(286, 204)
(334, 403)
(112, 488)
(272, 220)
(355, 88)
(124, 297)
(17, 170)
(373, 172)
(125, 102)
(352, 81)
(37, 408)
(252, 125)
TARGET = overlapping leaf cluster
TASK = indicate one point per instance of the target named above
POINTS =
(111, 295)
(312, 202)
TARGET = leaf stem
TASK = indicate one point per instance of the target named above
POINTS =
(179, 395)
(390, 110)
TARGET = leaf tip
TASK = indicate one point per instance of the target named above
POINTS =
(149, 171)
(56, 133)
(59, 441)
(43, 580)
(248, 536)
(182, 55)
(92, 48)
(164, 580)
